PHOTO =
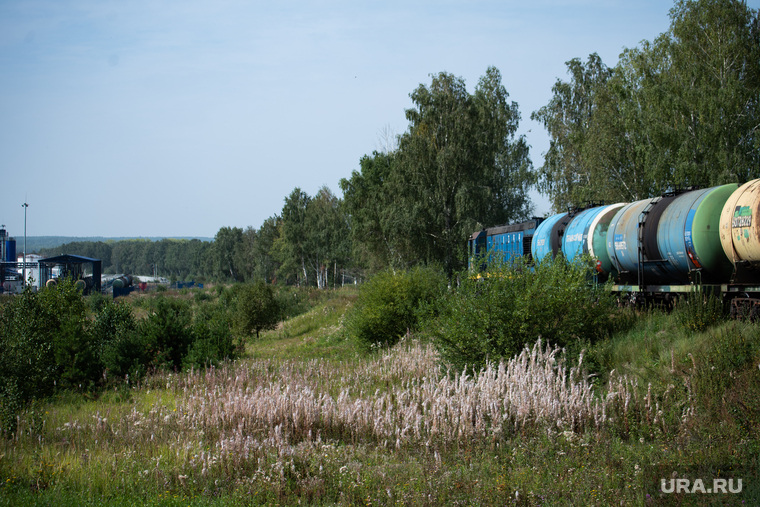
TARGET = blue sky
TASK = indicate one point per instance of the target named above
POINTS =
(176, 118)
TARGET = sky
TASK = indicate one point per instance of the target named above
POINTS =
(158, 118)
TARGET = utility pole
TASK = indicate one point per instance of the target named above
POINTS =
(23, 264)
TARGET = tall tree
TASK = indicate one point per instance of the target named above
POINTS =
(714, 76)
(290, 247)
(681, 110)
(266, 265)
(327, 235)
(566, 174)
(226, 244)
(370, 201)
(245, 255)
(460, 165)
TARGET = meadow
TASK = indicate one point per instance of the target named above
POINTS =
(307, 417)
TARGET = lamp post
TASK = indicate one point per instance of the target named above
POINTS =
(23, 264)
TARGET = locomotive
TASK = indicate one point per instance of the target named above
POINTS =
(654, 249)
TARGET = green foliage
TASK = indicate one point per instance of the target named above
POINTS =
(459, 165)
(256, 308)
(45, 344)
(166, 333)
(70, 449)
(391, 303)
(293, 301)
(212, 338)
(699, 311)
(225, 252)
(378, 238)
(175, 258)
(567, 175)
(495, 315)
(680, 110)
(313, 239)
(55, 340)
(122, 351)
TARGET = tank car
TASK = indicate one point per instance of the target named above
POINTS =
(548, 237)
(670, 240)
(659, 247)
(122, 282)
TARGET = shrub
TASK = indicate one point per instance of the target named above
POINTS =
(212, 338)
(390, 304)
(294, 301)
(122, 351)
(495, 315)
(45, 345)
(700, 310)
(166, 333)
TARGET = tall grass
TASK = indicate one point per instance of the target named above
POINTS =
(247, 423)
(393, 427)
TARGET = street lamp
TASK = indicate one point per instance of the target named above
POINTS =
(23, 264)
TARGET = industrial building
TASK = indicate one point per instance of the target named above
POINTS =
(86, 272)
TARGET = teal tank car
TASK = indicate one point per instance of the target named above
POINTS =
(584, 229)
(597, 238)
(548, 237)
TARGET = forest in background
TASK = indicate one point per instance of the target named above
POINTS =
(35, 244)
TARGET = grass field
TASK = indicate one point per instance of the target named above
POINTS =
(308, 418)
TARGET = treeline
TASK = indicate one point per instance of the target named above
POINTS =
(174, 258)
(681, 110)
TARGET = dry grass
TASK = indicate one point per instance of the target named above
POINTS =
(229, 421)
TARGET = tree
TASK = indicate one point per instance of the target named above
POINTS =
(245, 254)
(567, 174)
(226, 244)
(714, 76)
(290, 247)
(265, 264)
(327, 235)
(45, 345)
(681, 110)
(256, 308)
(371, 207)
(460, 165)
(166, 333)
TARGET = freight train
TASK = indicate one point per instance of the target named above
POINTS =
(654, 249)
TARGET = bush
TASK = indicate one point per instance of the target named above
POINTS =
(212, 338)
(700, 310)
(45, 345)
(122, 351)
(166, 333)
(497, 314)
(390, 305)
